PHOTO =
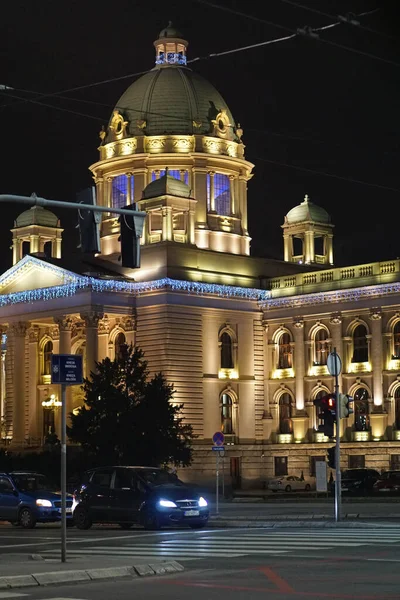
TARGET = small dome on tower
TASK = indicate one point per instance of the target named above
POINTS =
(37, 215)
(166, 185)
(307, 211)
(170, 32)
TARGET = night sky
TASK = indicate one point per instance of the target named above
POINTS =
(306, 106)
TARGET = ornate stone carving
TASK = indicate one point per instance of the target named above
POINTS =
(33, 333)
(117, 126)
(19, 329)
(375, 314)
(336, 318)
(298, 322)
(129, 324)
(64, 323)
(104, 325)
(92, 318)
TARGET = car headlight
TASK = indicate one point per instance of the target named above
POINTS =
(202, 501)
(167, 504)
(42, 502)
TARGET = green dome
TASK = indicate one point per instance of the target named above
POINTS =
(37, 215)
(307, 211)
(169, 99)
(170, 32)
(166, 185)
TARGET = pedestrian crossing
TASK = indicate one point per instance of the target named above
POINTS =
(234, 545)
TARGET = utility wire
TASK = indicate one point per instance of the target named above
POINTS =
(347, 19)
(323, 174)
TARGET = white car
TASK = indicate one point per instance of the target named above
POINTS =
(289, 483)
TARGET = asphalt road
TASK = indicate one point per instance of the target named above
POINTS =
(362, 564)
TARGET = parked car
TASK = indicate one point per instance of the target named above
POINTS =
(27, 498)
(151, 497)
(359, 481)
(388, 482)
(289, 483)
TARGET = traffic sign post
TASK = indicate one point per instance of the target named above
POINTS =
(66, 369)
(218, 439)
(334, 365)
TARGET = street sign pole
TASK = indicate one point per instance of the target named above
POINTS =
(334, 365)
(217, 483)
(63, 473)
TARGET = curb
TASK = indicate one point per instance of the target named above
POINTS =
(297, 521)
(82, 575)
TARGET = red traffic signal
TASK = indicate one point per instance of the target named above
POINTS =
(327, 402)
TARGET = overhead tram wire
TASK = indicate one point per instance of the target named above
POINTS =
(310, 32)
(347, 19)
(215, 54)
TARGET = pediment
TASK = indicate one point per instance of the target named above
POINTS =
(31, 273)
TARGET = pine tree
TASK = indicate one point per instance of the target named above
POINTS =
(128, 418)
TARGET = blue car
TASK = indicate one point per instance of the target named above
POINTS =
(27, 498)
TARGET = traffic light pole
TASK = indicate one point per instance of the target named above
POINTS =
(338, 484)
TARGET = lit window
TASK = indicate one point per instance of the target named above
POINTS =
(172, 173)
(120, 342)
(322, 347)
(360, 344)
(47, 352)
(396, 340)
(285, 352)
(318, 419)
(285, 414)
(222, 194)
(361, 410)
(119, 193)
(226, 414)
(226, 351)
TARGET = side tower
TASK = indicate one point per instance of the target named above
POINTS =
(36, 230)
(308, 235)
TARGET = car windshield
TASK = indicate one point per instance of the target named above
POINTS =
(27, 482)
(352, 474)
(156, 477)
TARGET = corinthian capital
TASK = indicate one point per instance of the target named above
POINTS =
(64, 323)
(375, 314)
(336, 318)
(19, 329)
(298, 323)
(92, 318)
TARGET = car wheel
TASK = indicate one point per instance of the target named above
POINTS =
(288, 488)
(151, 521)
(27, 519)
(197, 525)
(81, 518)
(125, 525)
(308, 487)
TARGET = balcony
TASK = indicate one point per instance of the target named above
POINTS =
(318, 370)
(282, 373)
(285, 438)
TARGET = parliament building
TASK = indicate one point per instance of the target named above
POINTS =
(243, 340)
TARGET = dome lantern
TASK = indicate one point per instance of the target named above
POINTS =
(170, 47)
(36, 231)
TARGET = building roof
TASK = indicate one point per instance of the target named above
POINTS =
(170, 32)
(307, 211)
(37, 215)
(172, 100)
(166, 185)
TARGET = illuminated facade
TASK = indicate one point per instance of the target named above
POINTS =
(243, 340)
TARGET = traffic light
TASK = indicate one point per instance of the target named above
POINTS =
(345, 402)
(88, 223)
(332, 457)
(131, 230)
(327, 413)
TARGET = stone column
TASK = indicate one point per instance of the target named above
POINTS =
(104, 330)
(376, 357)
(232, 195)
(243, 203)
(35, 408)
(309, 243)
(34, 243)
(65, 325)
(16, 251)
(288, 254)
(329, 248)
(129, 325)
(199, 176)
(299, 363)
(3, 329)
(19, 334)
(212, 193)
(267, 418)
(91, 331)
(57, 249)
(130, 199)
(166, 223)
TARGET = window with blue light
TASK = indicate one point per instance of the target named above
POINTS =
(119, 191)
(222, 194)
(208, 191)
(172, 173)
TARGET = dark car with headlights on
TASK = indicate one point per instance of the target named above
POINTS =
(359, 481)
(149, 496)
(27, 498)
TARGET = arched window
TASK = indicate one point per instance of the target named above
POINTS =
(47, 352)
(82, 352)
(397, 406)
(119, 191)
(285, 414)
(285, 352)
(226, 406)
(360, 344)
(120, 341)
(396, 340)
(322, 347)
(226, 351)
(361, 410)
(318, 420)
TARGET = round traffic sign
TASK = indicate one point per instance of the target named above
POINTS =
(218, 438)
(334, 363)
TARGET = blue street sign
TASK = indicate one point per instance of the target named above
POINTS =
(218, 438)
(66, 369)
(218, 448)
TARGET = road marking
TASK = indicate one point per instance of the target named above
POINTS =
(280, 583)
(12, 595)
